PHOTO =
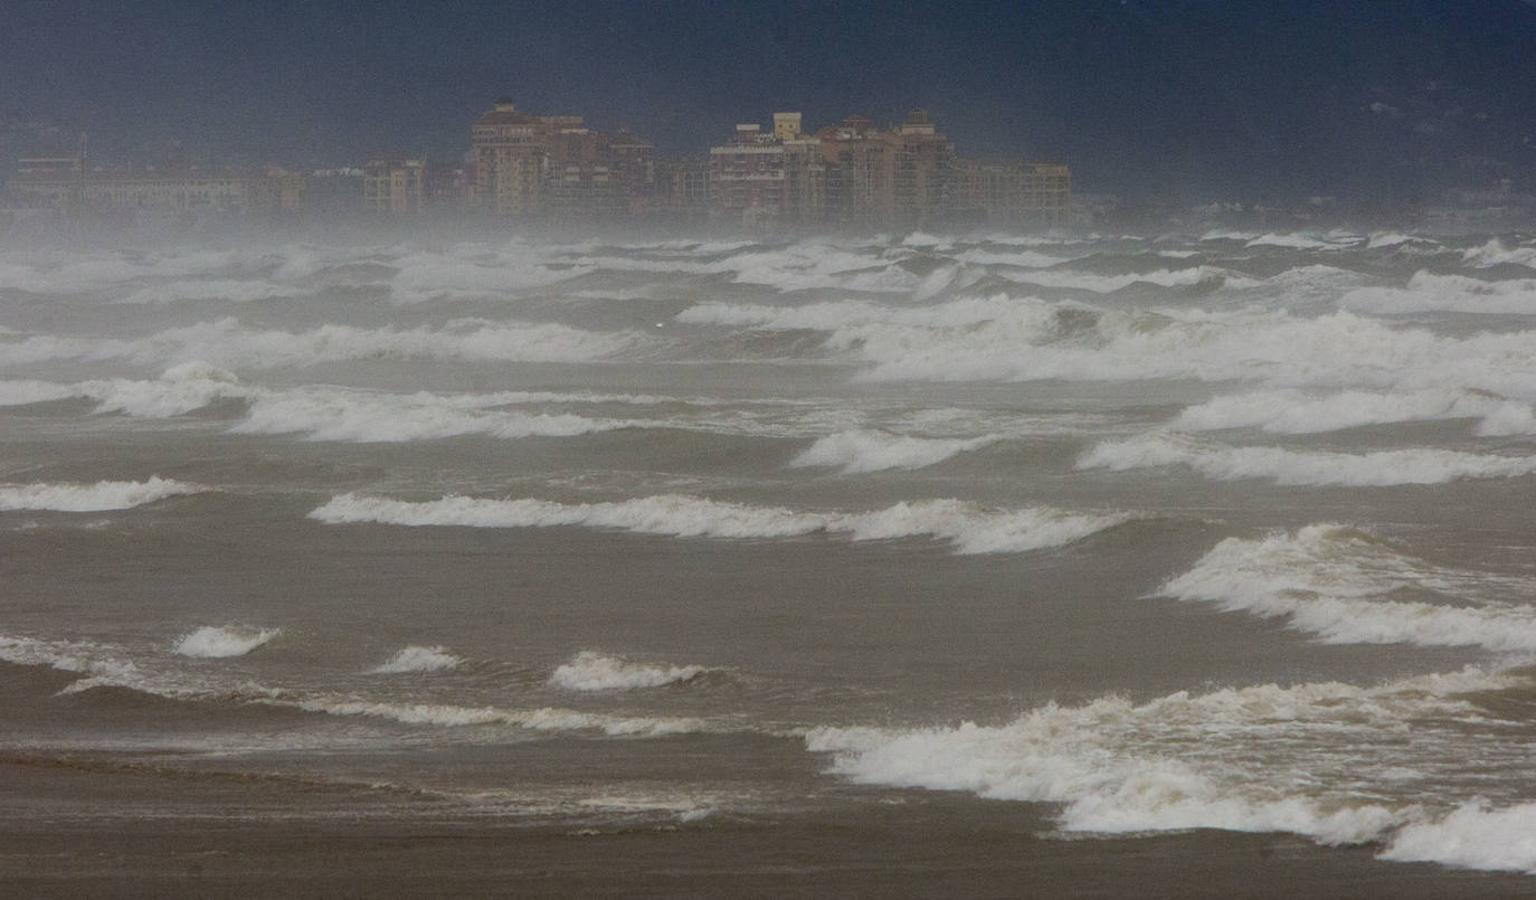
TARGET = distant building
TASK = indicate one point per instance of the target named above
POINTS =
(394, 186)
(528, 166)
(683, 189)
(856, 171)
(279, 192)
(922, 179)
(1014, 194)
(54, 182)
(747, 177)
(510, 149)
(333, 193)
(66, 184)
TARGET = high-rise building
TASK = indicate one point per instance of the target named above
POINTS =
(920, 161)
(762, 178)
(856, 172)
(746, 177)
(529, 166)
(393, 186)
(510, 149)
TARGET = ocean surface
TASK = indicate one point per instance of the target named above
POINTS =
(908, 564)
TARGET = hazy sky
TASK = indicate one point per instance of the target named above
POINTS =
(1194, 98)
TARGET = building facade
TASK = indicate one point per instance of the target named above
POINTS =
(394, 187)
(554, 167)
(1017, 194)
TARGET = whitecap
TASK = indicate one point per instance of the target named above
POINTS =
(593, 671)
(222, 642)
(98, 497)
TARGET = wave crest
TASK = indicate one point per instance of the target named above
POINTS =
(1382, 468)
(1341, 584)
(419, 659)
(866, 450)
(593, 671)
(99, 497)
(972, 529)
(222, 642)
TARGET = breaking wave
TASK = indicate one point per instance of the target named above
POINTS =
(1214, 760)
(864, 450)
(1497, 252)
(221, 642)
(1296, 412)
(362, 417)
(99, 497)
(972, 529)
(592, 671)
(419, 659)
(1383, 468)
(1473, 836)
(107, 666)
(1348, 587)
(1427, 292)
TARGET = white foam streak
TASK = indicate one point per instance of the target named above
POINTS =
(362, 417)
(864, 450)
(1297, 412)
(98, 497)
(229, 344)
(1384, 468)
(593, 671)
(970, 528)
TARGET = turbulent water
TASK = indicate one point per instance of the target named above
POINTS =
(1227, 532)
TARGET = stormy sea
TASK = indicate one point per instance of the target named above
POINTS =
(983, 565)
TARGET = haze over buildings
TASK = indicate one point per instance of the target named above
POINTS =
(1189, 100)
(531, 168)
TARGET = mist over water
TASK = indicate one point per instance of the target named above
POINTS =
(1226, 531)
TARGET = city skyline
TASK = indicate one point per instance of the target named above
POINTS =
(1314, 98)
(526, 167)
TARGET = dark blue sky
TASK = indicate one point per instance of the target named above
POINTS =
(1189, 98)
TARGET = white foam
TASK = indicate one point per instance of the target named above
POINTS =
(1297, 412)
(1384, 468)
(972, 529)
(214, 289)
(1342, 584)
(223, 641)
(1473, 836)
(419, 659)
(1303, 241)
(1103, 284)
(22, 393)
(329, 414)
(98, 497)
(1382, 239)
(1497, 252)
(1182, 761)
(451, 716)
(1427, 292)
(104, 665)
(229, 344)
(593, 671)
(864, 450)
